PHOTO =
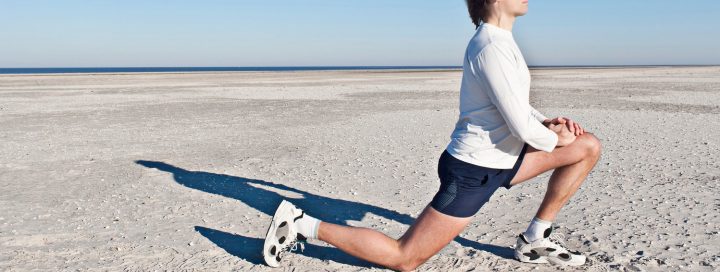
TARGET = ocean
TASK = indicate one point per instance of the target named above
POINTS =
(93, 70)
(207, 69)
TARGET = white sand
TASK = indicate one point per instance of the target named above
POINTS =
(80, 188)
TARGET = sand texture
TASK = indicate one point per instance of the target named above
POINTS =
(183, 171)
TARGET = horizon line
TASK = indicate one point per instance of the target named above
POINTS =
(342, 66)
(180, 69)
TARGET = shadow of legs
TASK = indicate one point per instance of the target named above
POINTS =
(250, 192)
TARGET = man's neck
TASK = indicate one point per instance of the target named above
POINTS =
(505, 23)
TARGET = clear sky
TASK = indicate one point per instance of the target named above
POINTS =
(102, 33)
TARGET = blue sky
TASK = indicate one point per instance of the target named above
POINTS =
(79, 33)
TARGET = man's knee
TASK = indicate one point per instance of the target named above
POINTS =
(408, 265)
(408, 262)
(592, 145)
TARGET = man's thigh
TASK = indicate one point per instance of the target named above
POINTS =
(537, 162)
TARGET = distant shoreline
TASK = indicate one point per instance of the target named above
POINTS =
(106, 70)
(111, 70)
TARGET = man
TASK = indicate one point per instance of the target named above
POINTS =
(499, 141)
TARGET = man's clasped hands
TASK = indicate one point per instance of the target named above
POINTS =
(566, 129)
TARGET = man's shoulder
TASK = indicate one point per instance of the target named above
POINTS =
(492, 47)
(481, 43)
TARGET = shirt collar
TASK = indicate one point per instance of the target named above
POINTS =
(497, 29)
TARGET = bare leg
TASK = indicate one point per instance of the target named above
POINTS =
(564, 182)
(434, 230)
(431, 232)
(573, 163)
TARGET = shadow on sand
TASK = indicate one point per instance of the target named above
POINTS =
(324, 208)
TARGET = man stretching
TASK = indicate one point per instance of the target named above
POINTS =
(498, 141)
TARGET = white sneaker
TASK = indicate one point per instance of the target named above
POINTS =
(549, 249)
(282, 235)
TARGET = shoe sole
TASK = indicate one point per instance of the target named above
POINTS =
(527, 259)
(545, 259)
(270, 237)
(558, 261)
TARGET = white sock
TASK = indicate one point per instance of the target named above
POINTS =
(537, 229)
(308, 226)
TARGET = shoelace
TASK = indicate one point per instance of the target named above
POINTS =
(291, 247)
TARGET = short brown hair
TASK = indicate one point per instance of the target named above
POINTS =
(478, 10)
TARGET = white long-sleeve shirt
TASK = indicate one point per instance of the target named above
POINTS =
(496, 118)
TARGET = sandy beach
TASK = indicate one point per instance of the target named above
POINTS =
(182, 171)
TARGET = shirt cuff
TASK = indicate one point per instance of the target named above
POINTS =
(539, 116)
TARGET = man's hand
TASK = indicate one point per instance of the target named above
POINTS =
(565, 137)
(571, 125)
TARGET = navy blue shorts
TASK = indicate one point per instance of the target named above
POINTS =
(465, 187)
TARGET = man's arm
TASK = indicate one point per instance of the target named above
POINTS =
(539, 116)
